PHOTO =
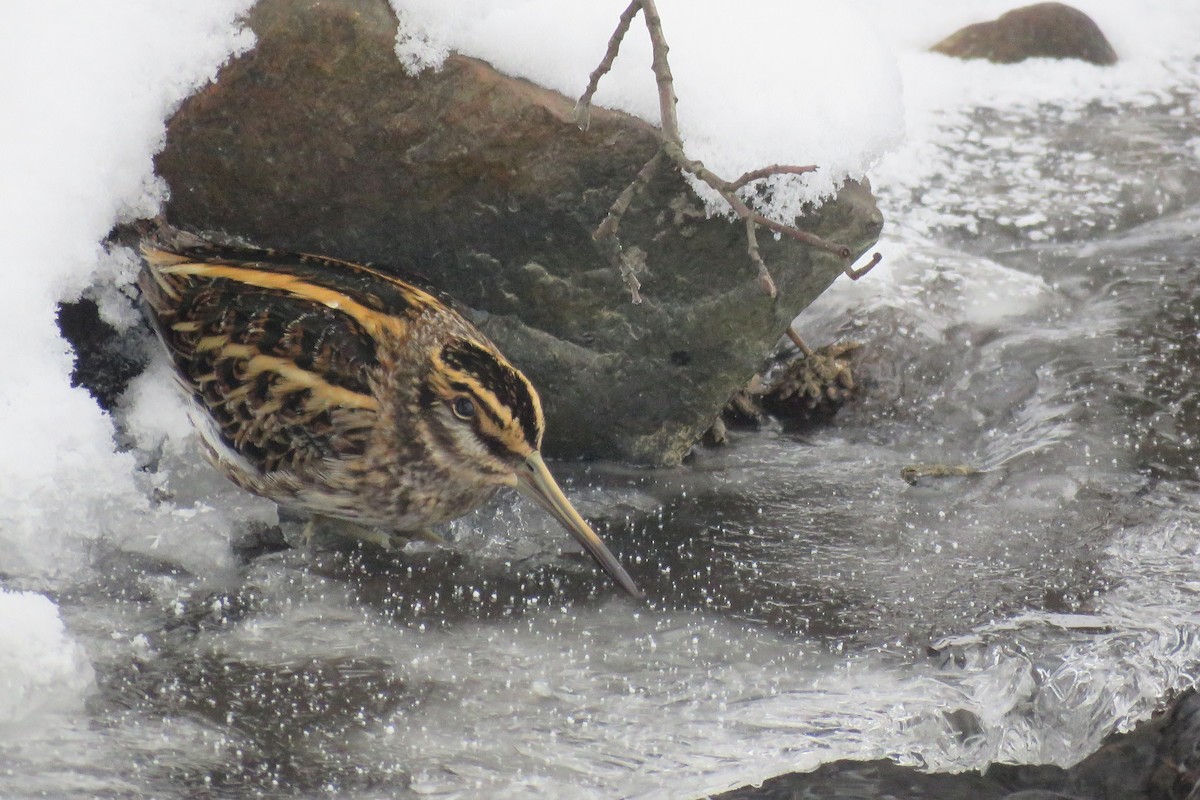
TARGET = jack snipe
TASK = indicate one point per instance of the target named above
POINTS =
(338, 389)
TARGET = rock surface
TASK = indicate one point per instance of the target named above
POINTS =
(1044, 30)
(1156, 761)
(317, 140)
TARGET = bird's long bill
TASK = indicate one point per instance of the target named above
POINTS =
(537, 482)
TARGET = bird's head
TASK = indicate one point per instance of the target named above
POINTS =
(488, 416)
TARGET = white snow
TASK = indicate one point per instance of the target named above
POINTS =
(85, 88)
(838, 85)
(780, 82)
(85, 93)
(42, 669)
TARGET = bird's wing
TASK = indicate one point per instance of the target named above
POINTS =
(279, 351)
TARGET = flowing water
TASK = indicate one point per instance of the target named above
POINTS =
(806, 604)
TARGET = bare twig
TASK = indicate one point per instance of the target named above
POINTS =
(613, 220)
(632, 260)
(583, 109)
(672, 148)
(627, 262)
(764, 275)
(854, 274)
(766, 172)
(796, 340)
(662, 75)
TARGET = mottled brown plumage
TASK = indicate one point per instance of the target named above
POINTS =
(341, 390)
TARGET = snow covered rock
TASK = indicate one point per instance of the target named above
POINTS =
(1043, 30)
(42, 669)
(319, 140)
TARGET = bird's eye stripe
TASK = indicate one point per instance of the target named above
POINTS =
(485, 401)
(511, 390)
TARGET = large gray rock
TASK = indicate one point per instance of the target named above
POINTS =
(1043, 30)
(317, 140)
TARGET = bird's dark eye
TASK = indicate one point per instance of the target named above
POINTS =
(463, 407)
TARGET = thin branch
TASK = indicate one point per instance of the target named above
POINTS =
(764, 275)
(583, 108)
(854, 274)
(617, 210)
(669, 120)
(766, 172)
(627, 262)
(632, 260)
(796, 340)
(744, 211)
(810, 239)
(672, 148)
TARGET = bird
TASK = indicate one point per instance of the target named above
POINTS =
(343, 390)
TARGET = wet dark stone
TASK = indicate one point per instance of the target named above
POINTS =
(318, 141)
(1044, 30)
(105, 360)
(1158, 760)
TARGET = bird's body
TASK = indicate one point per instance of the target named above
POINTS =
(339, 389)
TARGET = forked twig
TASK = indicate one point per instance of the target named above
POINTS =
(672, 148)
(613, 219)
(583, 108)
(766, 172)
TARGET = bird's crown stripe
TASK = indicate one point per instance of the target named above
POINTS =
(519, 397)
(497, 422)
(412, 294)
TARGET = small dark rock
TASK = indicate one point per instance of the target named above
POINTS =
(1177, 766)
(105, 360)
(1044, 30)
(257, 540)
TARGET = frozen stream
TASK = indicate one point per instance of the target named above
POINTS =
(806, 604)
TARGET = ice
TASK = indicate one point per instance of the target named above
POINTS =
(931, 289)
(42, 669)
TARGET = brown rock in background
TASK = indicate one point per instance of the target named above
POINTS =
(317, 140)
(1044, 30)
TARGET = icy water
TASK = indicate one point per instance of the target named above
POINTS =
(806, 604)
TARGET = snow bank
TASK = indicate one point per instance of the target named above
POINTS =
(85, 88)
(42, 670)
